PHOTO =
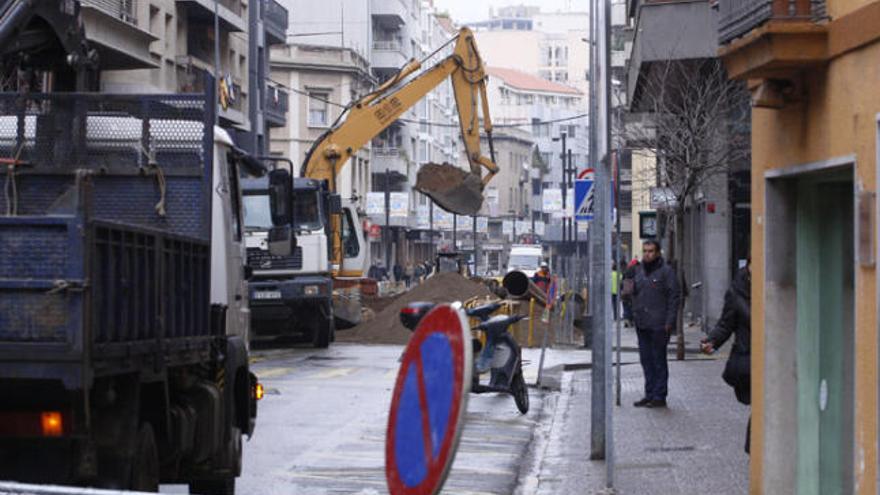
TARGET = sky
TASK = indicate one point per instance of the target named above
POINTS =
(476, 10)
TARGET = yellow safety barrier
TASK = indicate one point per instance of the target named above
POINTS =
(531, 340)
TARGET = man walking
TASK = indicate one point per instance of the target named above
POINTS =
(655, 307)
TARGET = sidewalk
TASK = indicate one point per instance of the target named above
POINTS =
(693, 447)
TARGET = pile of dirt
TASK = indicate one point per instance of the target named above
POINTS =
(386, 328)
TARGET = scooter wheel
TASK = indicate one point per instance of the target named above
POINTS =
(520, 393)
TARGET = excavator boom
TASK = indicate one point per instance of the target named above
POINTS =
(450, 187)
(453, 189)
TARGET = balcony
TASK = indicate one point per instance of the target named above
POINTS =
(771, 39)
(112, 27)
(230, 13)
(388, 54)
(664, 31)
(275, 20)
(389, 159)
(191, 78)
(277, 104)
(390, 14)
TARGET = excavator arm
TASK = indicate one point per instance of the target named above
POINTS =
(455, 190)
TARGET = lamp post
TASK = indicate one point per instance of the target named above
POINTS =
(562, 138)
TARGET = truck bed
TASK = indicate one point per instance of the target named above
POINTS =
(93, 279)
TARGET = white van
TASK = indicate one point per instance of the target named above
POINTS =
(525, 258)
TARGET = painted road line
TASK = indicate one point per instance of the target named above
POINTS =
(272, 372)
(331, 373)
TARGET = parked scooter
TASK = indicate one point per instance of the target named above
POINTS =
(504, 361)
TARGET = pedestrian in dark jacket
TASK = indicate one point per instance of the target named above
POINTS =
(655, 307)
(736, 318)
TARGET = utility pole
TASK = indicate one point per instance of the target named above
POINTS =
(476, 248)
(387, 220)
(455, 232)
(433, 249)
(601, 431)
(563, 244)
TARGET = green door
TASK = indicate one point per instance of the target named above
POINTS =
(825, 317)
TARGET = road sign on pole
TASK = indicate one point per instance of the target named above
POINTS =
(583, 196)
(428, 405)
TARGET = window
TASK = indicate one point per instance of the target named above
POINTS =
(571, 130)
(306, 210)
(257, 215)
(538, 129)
(318, 115)
(423, 151)
(170, 35)
(350, 245)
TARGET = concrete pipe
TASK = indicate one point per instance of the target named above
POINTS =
(519, 286)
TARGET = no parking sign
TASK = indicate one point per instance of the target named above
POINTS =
(428, 405)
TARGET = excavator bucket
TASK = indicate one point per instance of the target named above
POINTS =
(453, 189)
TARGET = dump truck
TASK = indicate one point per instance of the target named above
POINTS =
(123, 306)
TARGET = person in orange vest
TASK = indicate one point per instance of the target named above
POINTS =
(541, 278)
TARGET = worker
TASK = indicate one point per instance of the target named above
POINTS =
(541, 278)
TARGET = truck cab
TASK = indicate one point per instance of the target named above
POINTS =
(290, 294)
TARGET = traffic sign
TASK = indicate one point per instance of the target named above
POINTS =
(583, 196)
(428, 404)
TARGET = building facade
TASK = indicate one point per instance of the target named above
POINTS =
(674, 46)
(814, 76)
(321, 80)
(545, 110)
(167, 46)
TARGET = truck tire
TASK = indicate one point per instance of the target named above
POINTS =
(324, 329)
(145, 463)
(222, 486)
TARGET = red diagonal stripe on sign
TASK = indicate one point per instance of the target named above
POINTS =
(423, 402)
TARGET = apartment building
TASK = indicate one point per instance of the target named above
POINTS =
(362, 43)
(321, 81)
(674, 47)
(167, 46)
(812, 68)
(545, 110)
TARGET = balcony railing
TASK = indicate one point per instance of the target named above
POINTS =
(738, 17)
(277, 104)
(125, 10)
(191, 79)
(386, 152)
(387, 45)
(275, 18)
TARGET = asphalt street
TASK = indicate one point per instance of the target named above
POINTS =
(321, 426)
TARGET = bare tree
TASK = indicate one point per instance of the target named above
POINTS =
(698, 131)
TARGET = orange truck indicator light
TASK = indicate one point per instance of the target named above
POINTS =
(52, 424)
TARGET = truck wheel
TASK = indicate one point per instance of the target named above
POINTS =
(145, 464)
(325, 328)
(222, 486)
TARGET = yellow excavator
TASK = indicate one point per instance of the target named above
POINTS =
(451, 188)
